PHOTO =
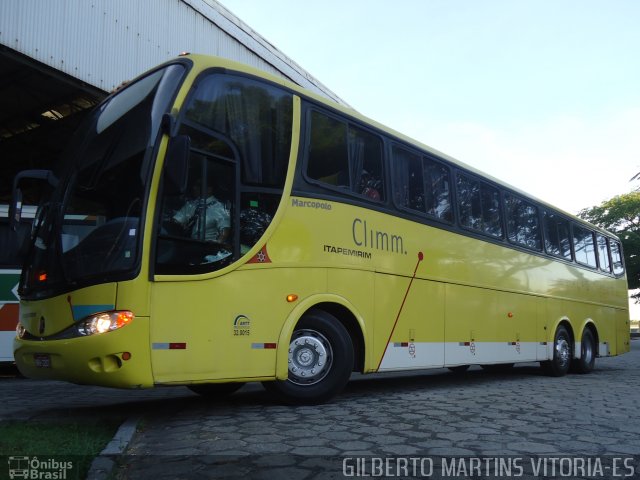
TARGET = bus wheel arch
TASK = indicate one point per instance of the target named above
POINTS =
(342, 310)
(354, 326)
(320, 359)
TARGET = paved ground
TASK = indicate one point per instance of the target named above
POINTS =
(430, 414)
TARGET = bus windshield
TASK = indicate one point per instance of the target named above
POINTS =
(91, 227)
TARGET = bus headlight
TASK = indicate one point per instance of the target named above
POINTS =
(104, 322)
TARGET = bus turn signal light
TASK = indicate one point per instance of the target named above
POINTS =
(292, 297)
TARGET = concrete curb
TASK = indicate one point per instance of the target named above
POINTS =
(103, 465)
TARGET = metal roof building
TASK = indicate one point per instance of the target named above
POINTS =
(59, 58)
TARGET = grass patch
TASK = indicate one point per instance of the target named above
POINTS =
(74, 440)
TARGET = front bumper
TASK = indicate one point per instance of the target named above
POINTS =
(92, 360)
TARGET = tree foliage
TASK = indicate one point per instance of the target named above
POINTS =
(621, 215)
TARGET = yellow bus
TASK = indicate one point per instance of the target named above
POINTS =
(243, 229)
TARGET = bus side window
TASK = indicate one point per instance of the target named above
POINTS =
(557, 240)
(257, 210)
(437, 190)
(409, 184)
(365, 160)
(421, 184)
(327, 159)
(522, 222)
(197, 227)
(256, 117)
(603, 253)
(616, 258)
(584, 246)
(479, 206)
(344, 156)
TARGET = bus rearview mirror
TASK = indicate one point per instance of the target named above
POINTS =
(15, 207)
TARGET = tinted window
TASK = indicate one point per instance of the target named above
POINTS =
(616, 258)
(197, 229)
(603, 253)
(257, 210)
(584, 246)
(479, 206)
(422, 184)
(328, 161)
(237, 127)
(437, 190)
(409, 184)
(257, 117)
(557, 239)
(522, 222)
(365, 160)
(345, 156)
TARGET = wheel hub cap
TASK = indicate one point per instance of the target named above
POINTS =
(562, 348)
(310, 357)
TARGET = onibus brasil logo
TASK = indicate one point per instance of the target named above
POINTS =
(34, 468)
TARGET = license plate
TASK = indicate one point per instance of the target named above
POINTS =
(43, 360)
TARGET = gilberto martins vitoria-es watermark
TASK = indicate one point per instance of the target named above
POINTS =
(492, 467)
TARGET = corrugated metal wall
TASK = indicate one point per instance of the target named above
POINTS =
(105, 42)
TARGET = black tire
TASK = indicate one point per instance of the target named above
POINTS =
(320, 361)
(587, 360)
(459, 368)
(562, 354)
(498, 367)
(214, 391)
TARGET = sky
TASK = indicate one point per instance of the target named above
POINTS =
(542, 94)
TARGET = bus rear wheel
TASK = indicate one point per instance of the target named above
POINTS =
(320, 361)
(587, 360)
(559, 365)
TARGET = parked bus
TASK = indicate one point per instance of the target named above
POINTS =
(246, 229)
(9, 277)
(11, 258)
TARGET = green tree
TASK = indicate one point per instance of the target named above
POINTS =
(621, 215)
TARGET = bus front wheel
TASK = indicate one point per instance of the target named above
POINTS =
(320, 360)
(562, 348)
